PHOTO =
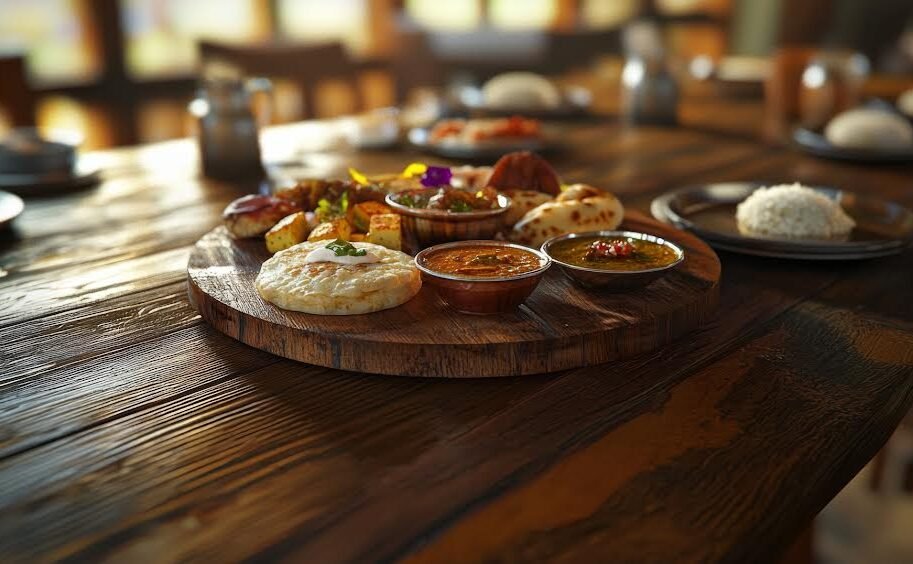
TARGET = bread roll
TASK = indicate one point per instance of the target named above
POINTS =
(579, 192)
(551, 219)
(522, 201)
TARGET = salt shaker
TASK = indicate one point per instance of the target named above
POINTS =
(228, 134)
(649, 93)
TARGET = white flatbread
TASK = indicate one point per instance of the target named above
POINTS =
(328, 288)
(522, 201)
(557, 218)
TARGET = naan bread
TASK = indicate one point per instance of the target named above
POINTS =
(579, 192)
(522, 201)
(328, 288)
(551, 219)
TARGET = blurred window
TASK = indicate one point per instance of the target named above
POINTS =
(53, 34)
(322, 20)
(600, 14)
(447, 15)
(522, 14)
(161, 34)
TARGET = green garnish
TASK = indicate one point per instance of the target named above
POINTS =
(327, 210)
(345, 249)
(460, 206)
(407, 201)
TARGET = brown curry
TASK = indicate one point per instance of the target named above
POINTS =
(483, 261)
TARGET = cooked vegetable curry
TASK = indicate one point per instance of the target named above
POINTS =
(612, 254)
(483, 261)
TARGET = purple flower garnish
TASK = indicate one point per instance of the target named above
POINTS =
(436, 176)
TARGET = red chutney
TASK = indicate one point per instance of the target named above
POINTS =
(483, 261)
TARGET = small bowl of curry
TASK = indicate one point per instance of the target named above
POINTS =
(441, 215)
(482, 276)
(613, 260)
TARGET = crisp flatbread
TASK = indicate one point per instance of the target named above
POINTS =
(328, 288)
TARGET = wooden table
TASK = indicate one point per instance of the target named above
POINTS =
(131, 431)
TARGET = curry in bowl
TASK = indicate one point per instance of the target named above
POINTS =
(613, 260)
(613, 253)
(482, 276)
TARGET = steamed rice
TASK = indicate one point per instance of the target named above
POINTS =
(792, 211)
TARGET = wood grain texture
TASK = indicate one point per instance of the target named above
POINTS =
(132, 431)
(560, 326)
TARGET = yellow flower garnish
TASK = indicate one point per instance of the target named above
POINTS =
(414, 169)
(359, 177)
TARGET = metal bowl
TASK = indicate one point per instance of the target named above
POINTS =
(424, 227)
(473, 294)
(614, 279)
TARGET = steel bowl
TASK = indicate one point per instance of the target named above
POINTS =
(424, 228)
(473, 294)
(614, 280)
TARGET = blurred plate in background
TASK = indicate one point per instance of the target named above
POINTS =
(11, 206)
(482, 150)
(818, 145)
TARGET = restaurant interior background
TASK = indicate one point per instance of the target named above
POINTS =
(122, 72)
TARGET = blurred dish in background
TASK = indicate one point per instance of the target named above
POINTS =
(881, 228)
(378, 129)
(905, 103)
(867, 135)
(34, 162)
(478, 139)
(11, 206)
(526, 93)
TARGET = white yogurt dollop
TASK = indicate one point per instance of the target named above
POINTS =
(323, 254)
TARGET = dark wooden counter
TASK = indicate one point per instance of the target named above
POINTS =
(130, 431)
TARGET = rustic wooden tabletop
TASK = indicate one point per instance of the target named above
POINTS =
(132, 431)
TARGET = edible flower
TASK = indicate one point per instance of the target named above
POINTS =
(414, 169)
(436, 176)
(359, 177)
(345, 249)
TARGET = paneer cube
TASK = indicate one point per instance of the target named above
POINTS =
(360, 215)
(291, 230)
(385, 230)
(336, 229)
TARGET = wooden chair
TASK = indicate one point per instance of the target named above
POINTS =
(16, 98)
(305, 65)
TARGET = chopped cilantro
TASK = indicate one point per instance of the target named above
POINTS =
(345, 249)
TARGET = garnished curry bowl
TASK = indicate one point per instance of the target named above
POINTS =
(613, 260)
(482, 277)
(424, 227)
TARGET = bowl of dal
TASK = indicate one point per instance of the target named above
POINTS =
(613, 260)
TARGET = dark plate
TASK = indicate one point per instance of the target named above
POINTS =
(51, 182)
(818, 145)
(11, 206)
(484, 151)
(882, 227)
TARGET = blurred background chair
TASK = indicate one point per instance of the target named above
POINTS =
(17, 101)
(306, 67)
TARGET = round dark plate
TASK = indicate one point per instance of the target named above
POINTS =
(487, 150)
(882, 228)
(818, 145)
(11, 206)
(50, 182)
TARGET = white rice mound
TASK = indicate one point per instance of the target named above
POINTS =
(792, 211)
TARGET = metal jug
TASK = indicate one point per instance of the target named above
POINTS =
(228, 130)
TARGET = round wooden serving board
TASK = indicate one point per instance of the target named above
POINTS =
(560, 326)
